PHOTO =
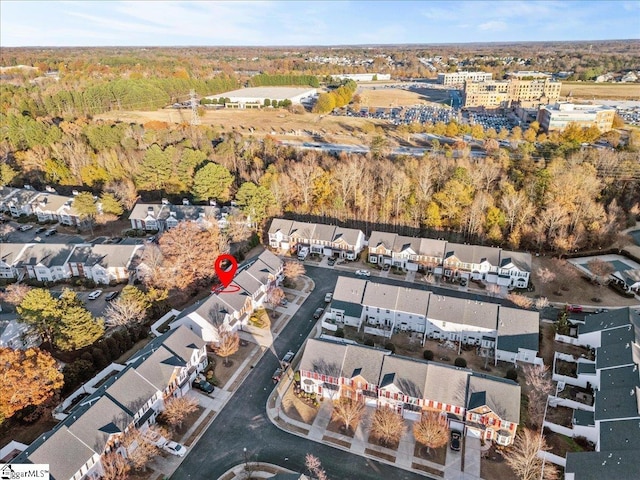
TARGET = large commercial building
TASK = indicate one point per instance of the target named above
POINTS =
(558, 116)
(458, 78)
(255, 97)
(525, 93)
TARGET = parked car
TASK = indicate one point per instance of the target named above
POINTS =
(575, 308)
(363, 273)
(277, 375)
(203, 385)
(95, 294)
(454, 442)
(328, 297)
(40, 230)
(318, 313)
(111, 295)
(286, 360)
(24, 228)
(386, 267)
(331, 261)
(50, 232)
(463, 282)
(284, 301)
(175, 449)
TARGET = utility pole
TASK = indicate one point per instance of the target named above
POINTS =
(195, 119)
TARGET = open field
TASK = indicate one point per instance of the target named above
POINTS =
(259, 123)
(395, 97)
(589, 91)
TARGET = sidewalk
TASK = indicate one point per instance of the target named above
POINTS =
(214, 403)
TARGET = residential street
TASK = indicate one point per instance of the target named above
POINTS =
(244, 424)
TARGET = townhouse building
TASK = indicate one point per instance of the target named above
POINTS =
(509, 334)
(104, 264)
(329, 240)
(480, 405)
(9, 254)
(17, 201)
(232, 307)
(161, 217)
(451, 260)
(44, 262)
(133, 398)
(47, 206)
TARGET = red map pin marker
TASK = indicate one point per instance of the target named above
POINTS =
(226, 276)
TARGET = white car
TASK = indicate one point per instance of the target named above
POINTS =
(328, 297)
(95, 294)
(363, 273)
(24, 228)
(174, 448)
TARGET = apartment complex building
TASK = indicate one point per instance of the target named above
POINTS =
(458, 78)
(508, 334)
(524, 92)
(47, 206)
(559, 115)
(451, 260)
(133, 398)
(483, 406)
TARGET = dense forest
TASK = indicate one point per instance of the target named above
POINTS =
(544, 192)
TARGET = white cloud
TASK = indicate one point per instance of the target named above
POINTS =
(493, 25)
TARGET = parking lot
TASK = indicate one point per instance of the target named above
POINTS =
(13, 234)
(491, 120)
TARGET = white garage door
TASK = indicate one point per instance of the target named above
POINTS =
(473, 432)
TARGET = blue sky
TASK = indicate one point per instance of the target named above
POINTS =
(177, 23)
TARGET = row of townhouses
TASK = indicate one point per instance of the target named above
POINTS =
(607, 411)
(451, 260)
(47, 206)
(482, 406)
(133, 398)
(50, 262)
(161, 217)
(511, 333)
(232, 307)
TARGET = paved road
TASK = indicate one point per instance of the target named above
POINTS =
(244, 424)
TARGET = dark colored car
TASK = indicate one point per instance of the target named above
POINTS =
(277, 375)
(331, 261)
(463, 282)
(40, 230)
(286, 360)
(203, 385)
(51, 232)
(454, 442)
(318, 313)
(111, 295)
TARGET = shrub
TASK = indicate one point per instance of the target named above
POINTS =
(390, 346)
(512, 374)
(340, 333)
(460, 362)
(428, 355)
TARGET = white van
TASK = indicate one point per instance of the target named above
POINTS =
(302, 253)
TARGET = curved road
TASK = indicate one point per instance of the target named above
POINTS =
(243, 423)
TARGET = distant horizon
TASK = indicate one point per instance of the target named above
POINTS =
(279, 24)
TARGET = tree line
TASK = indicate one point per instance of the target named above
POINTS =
(337, 98)
(264, 80)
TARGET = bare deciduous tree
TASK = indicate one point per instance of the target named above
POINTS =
(493, 289)
(387, 426)
(523, 457)
(315, 467)
(348, 411)
(538, 378)
(15, 293)
(545, 275)
(541, 303)
(124, 311)
(599, 269)
(114, 467)
(520, 300)
(431, 431)
(139, 450)
(176, 409)
(293, 270)
(228, 344)
(275, 295)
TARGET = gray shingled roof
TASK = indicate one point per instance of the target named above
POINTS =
(603, 464)
(9, 252)
(407, 374)
(618, 394)
(401, 244)
(131, 391)
(380, 295)
(282, 225)
(350, 290)
(412, 300)
(324, 232)
(47, 254)
(51, 202)
(522, 260)
(159, 367)
(432, 248)
(303, 230)
(473, 253)
(363, 361)
(463, 311)
(615, 354)
(182, 342)
(93, 426)
(502, 396)
(446, 384)
(517, 329)
(584, 418)
(385, 238)
(349, 235)
(323, 356)
(620, 435)
(606, 320)
(112, 256)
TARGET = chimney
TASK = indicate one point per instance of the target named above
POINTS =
(185, 201)
(165, 201)
(212, 203)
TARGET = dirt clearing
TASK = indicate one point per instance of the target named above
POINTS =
(590, 91)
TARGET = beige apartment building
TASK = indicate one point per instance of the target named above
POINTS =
(558, 116)
(526, 93)
(458, 78)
